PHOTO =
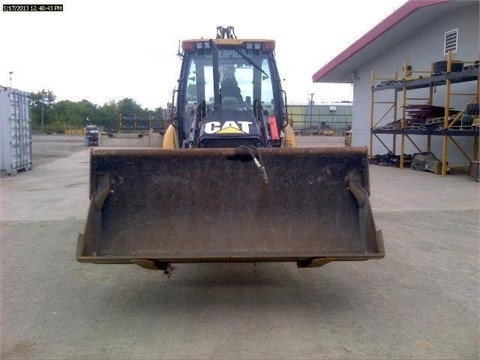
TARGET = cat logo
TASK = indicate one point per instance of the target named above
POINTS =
(228, 127)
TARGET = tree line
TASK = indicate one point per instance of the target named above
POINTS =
(50, 116)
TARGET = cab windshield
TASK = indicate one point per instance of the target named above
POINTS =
(244, 78)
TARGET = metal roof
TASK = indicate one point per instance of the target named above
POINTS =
(407, 19)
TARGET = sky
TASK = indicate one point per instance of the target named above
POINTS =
(106, 51)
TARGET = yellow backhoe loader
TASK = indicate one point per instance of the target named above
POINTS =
(229, 184)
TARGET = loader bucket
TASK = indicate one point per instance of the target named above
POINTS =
(154, 207)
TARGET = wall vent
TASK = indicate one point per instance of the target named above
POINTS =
(451, 41)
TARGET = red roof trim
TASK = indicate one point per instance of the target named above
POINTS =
(401, 13)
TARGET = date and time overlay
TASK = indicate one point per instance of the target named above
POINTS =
(32, 7)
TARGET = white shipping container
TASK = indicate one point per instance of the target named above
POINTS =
(15, 131)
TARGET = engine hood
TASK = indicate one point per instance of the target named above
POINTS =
(229, 128)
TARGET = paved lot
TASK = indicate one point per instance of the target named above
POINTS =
(420, 302)
(48, 148)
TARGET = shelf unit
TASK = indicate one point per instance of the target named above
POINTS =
(429, 80)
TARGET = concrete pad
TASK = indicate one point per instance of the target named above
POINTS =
(420, 302)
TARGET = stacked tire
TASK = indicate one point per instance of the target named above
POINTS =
(471, 112)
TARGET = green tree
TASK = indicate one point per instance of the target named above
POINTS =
(128, 107)
(41, 105)
(191, 92)
(109, 115)
(75, 114)
(49, 116)
(88, 112)
(65, 113)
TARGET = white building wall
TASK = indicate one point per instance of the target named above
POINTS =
(419, 50)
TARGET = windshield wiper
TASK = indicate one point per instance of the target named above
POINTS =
(250, 61)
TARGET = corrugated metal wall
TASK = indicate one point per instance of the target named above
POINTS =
(313, 119)
(15, 131)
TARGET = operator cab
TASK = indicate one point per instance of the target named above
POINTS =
(229, 93)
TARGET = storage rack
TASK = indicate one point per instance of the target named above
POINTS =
(424, 80)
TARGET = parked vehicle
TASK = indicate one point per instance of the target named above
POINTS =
(92, 135)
